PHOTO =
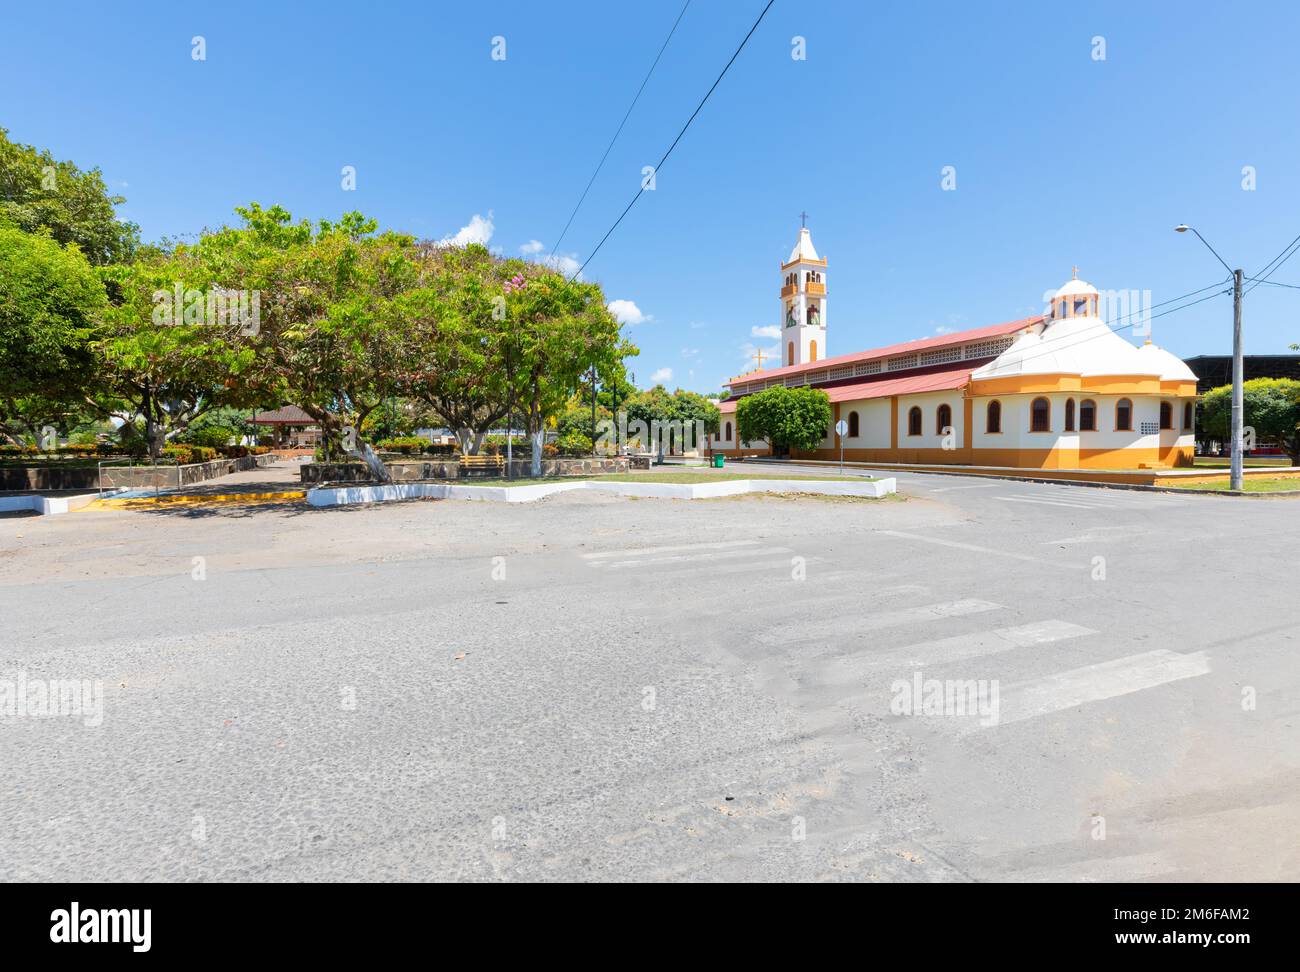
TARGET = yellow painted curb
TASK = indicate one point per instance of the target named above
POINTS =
(216, 499)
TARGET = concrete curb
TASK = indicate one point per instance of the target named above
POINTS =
(349, 495)
(46, 505)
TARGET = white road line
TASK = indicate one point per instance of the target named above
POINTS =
(855, 622)
(1093, 683)
(957, 648)
(691, 558)
(640, 551)
(1045, 502)
(956, 545)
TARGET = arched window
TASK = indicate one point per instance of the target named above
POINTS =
(914, 421)
(1040, 416)
(853, 425)
(789, 353)
(1087, 415)
(728, 437)
(942, 420)
(812, 350)
(1123, 415)
(1069, 415)
(993, 417)
(1166, 415)
(1189, 413)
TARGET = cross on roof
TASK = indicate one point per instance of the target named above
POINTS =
(803, 220)
(759, 356)
(1075, 271)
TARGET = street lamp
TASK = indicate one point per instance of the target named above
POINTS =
(1238, 365)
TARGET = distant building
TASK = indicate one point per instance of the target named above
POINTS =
(1213, 370)
(291, 427)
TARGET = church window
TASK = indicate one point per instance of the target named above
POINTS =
(914, 421)
(1188, 414)
(853, 425)
(993, 418)
(728, 437)
(1166, 415)
(1087, 415)
(1069, 415)
(1124, 415)
(943, 420)
(1040, 416)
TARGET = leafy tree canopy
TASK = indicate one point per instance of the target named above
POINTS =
(788, 418)
(1271, 407)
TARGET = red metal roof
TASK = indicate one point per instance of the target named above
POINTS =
(288, 415)
(907, 347)
(882, 386)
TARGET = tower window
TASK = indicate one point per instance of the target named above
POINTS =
(943, 420)
(914, 421)
(1124, 415)
(1069, 415)
(853, 425)
(812, 350)
(1166, 415)
(1087, 415)
(1040, 416)
(993, 418)
(789, 353)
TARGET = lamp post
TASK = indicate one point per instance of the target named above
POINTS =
(1238, 365)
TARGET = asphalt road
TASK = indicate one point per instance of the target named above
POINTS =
(593, 687)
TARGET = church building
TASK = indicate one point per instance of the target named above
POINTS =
(1057, 391)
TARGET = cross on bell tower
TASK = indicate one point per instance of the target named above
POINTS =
(803, 301)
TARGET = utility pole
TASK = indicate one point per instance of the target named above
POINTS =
(1238, 378)
(1238, 365)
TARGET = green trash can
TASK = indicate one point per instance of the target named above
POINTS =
(718, 460)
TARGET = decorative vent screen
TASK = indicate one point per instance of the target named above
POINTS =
(867, 368)
(906, 361)
(941, 356)
(1150, 428)
(985, 349)
(841, 373)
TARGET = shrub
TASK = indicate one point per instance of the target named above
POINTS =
(213, 436)
(407, 445)
(573, 443)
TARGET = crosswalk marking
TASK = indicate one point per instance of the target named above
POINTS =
(1045, 502)
(1093, 683)
(957, 545)
(689, 558)
(859, 622)
(949, 489)
(643, 551)
(953, 649)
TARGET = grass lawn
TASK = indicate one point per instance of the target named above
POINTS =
(1251, 485)
(653, 477)
(1223, 462)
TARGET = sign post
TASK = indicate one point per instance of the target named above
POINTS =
(841, 430)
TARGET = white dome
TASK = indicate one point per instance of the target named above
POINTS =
(1168, 366)
(1082, 346)
(1073, 287)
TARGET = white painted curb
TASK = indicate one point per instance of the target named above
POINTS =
(348, 495)
(45, 505)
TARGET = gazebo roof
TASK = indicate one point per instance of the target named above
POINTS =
(287, 415)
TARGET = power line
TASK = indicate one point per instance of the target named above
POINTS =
(1273, 283)
(626, 115)
(664, 159)
(1287, 253)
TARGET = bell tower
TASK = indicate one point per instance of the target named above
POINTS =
(803, 302)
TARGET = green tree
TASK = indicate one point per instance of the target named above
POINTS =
(50, 303)
(39, 192)
(788, 418)
(1271, 406)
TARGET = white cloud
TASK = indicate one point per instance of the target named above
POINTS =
(627, 312)
(770, 331)
(531, 247)
(479, 230)
(565, 263)
(661, 376)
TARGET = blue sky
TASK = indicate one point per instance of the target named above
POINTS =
(1060, 159)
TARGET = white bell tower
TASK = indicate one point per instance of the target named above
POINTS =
(803, 303)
